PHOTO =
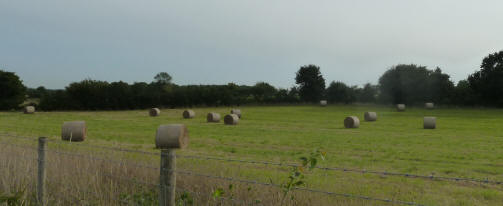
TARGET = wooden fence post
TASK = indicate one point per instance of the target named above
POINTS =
(42, 145)
(168, 138)
(168, 178)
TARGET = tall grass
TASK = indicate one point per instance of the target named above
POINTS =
(83, 176)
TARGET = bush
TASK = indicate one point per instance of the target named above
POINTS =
(12, 91)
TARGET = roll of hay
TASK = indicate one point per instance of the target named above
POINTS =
(400, 107)
(429, 105)
(430, 122)
(213, 117)
(172, 136)
(231, 119)
(75, 131)
(189, 114)
(29, 110)
(154, 112)
(351, 122)
(323, 103)
(236, 112)
(370, 116)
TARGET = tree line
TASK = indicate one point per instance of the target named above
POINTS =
(405, 83)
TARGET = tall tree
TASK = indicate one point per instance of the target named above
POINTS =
(488, 82)
(263, 92)
(368, 93)
(89, 94)
(414, 84)
(463, 94)
(339, 92)
(311, 83)
(441, 89)
(404, 84)
(163, 78)
(12, 90)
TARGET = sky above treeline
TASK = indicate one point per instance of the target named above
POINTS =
(52, 43)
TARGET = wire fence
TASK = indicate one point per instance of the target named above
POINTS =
(351, 170)
(69, 152)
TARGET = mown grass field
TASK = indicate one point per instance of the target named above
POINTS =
(467, 143)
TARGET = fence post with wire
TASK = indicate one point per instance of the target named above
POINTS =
(169, 138)
(42, 145)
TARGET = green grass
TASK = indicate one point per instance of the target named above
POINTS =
(466, 143)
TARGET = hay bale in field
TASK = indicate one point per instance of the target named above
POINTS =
(351, 122)
(172, 136)
(213, 117)
(370, 116)
(400, 107)
(430, 122)
(154, 112)
(323, 103)
(236, 112)
(189, 114)
(75, 131)
(29, 110)
(231, 119)
(429, 105)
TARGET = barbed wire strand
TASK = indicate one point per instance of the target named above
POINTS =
(19, 146)
(186, 172)
(363, 171)
(91, 157)
(191, 173)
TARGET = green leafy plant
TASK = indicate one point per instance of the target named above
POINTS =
(185, 199)
(15, 199)
(219, 192)
(147, 197)
(297, 174)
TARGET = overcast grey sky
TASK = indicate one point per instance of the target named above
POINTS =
(55, 42)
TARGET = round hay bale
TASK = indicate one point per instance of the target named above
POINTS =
(75, 131)
(29, 110)
(400, 107)
(351, 122)
(172, 136)
(370, 116)
(323, 103)
(429, 105)
(189, 114)
(231, 119)
(213, 117)
(430, 122)
(236, 112)
(154, 112)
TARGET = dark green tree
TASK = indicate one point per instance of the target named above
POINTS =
(263, 92)
(293, 95)
(12, 90)
(56, 100)
(404, 84)
(412, 84)
(281, 96)
(119, 95)
(488, 81)
(463, 94)
(338, 92)
(39, 92)
(311, 83)
(163, 78)
(89, 94)
(367, 94)
(441, 88)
